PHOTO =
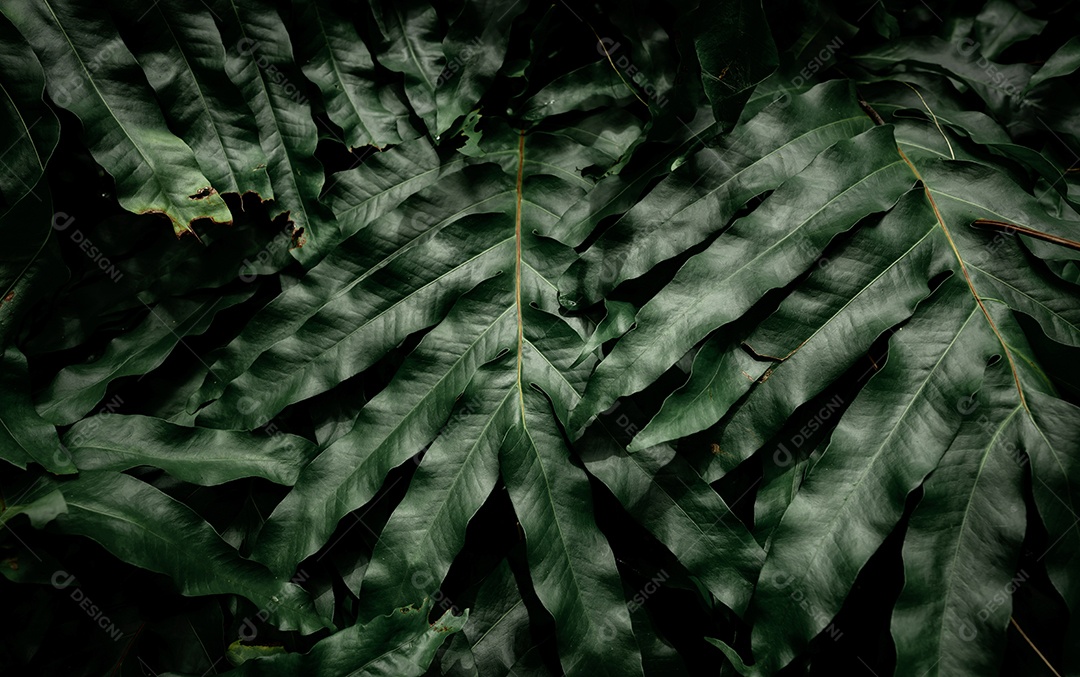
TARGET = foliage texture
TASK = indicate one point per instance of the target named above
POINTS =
(523, 338)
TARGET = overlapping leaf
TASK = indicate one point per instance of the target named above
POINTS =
(556, 332)
(101, 82)
(476, 255)
(399, 643)
(907, 422)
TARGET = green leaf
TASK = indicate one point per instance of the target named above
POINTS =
(816, 336)
(1051, 441)
(962, 546)
(669, 499)
(706, 191)
(762, 251)
(180, 51)
(147, 528)
(400, 643)
(497, 634)
(1063, 62)
(634, 332)
(28, 271)
(102, 84)
(1001, 24)
(1000, 87)
(360, 195)
(24, 435)
(31, 129)
(855, 493)
(721, 374)
(42, 502)
(454, 478)
(507, 318)
(412, 46)
(77, 389)
(239, 654)
(474, 48)
(618, 320)
(736, 51)
(340, 64)
(259, 60)
(572, 568)
(590, 87)
(271, 360)
(197, 455)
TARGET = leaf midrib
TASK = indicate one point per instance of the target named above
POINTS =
(93, 83)
(202, 96)
(412, 411)
(24, 127)
(301, 203)
(755, 163)
(928, 191)
(877, 453)
(412, 52)
(963, 522)
(689, 309)
(427, 525)
(316, 8)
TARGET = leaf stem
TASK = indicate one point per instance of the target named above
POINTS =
(1034, 648)
(517, 269)
(967, 276)
(1009, 228)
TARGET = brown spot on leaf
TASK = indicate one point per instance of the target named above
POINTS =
(202, 193)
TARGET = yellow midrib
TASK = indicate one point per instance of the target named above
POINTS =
(517, 272)
(967, 276)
